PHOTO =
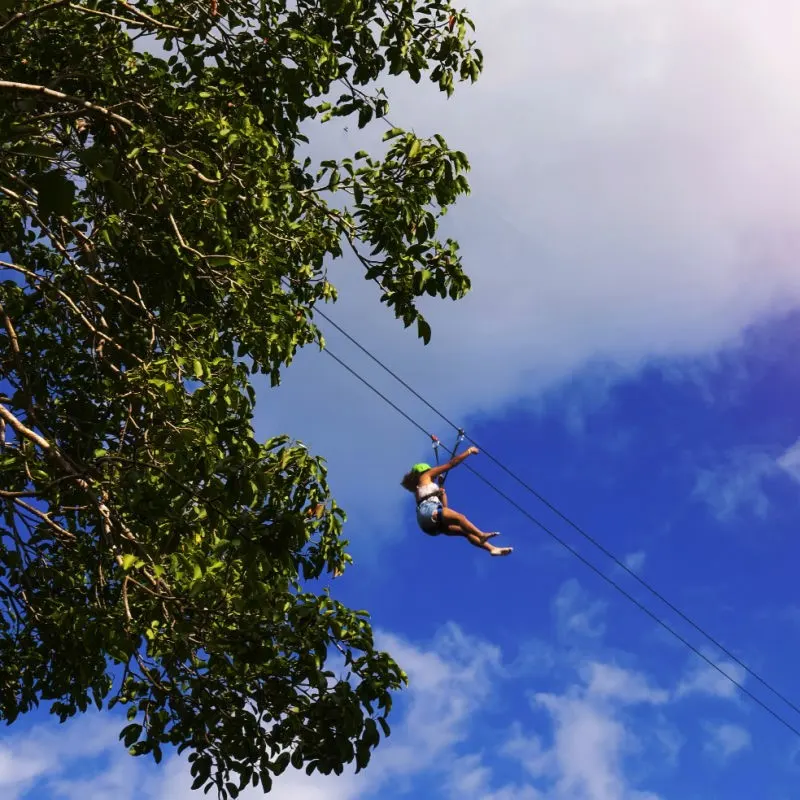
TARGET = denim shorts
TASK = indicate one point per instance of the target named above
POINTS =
(425, 511)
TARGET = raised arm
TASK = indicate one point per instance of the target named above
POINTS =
(434, 472)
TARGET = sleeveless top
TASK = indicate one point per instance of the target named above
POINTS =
(427, 491)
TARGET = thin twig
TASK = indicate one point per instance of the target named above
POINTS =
(197, 253)
(193, 169)
(141, 14)
(46, 519)
(96, 12)
(144, 19)
(73, 306)
(182, 241)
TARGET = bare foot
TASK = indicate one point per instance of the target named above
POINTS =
(491, 535)
(501, 551)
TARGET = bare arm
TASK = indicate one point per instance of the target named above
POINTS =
(435, 472)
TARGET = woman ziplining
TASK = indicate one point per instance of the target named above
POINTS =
(434, 516)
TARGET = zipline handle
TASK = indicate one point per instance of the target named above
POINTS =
(436, 442)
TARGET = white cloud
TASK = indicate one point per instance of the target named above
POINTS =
(633, 199)
(19, 768)
(737, 487)
(703, 679)
(449, 683)
(576, 613)
(790, 461)
(611, 682)
(587, 749)
(725, 740)
(45, 752)
(118, 780)
(591, 736)
(669, 740)
(471, 779)
(635, 561)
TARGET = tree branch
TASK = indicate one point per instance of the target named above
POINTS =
(125, 598)
(193, 169)
(26, 433)
(43, 90)
(73, 306)
(12, 495)
(197, 253)
(141, 14)
(46, 519)
(145, 19)
(26, 15)
(14, 341)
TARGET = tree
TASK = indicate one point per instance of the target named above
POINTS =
(161, 241)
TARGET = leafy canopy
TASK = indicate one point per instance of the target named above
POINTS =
(161, 241)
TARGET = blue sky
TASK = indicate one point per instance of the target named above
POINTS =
(629, 350)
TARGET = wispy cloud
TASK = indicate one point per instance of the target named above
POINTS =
(669, 739)
(450, 682)
(790, 461)
(703, 679)
(610, 682)
(591, 735)
(576, 614)
(725, 740)
(46, 754)
(471, 779)
(739, 484)
(635, 561)
(736, 487)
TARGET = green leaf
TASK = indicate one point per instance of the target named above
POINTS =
(296, 758)
(423, 330)
(281, 762)
(56, 193)
(364, 116)
(392, 133)
(130, 734)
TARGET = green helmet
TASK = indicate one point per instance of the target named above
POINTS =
(419, 468)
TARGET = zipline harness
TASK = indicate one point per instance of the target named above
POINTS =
(437, 444)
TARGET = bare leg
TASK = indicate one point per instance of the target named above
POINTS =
(450, 517)
(455, 530)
